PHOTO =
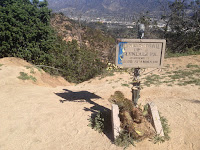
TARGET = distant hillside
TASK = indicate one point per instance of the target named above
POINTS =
(91, 38)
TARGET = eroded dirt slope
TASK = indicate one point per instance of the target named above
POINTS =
(11, 68)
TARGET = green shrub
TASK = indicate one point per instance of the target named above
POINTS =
(76, 64)
(97, 123)
(101, 121)
(124, 139)
(25, 76)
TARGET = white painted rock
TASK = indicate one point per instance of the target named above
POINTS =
(156, 119)
(115, 121)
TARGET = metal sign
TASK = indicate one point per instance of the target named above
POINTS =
(140, 53)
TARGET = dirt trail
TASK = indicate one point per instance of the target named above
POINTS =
(32, 115)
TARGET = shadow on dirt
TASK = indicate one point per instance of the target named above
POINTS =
(196, 101)
(85, 96)
(193, 101)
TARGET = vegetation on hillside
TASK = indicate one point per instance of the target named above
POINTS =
(26, 33)
(25, 76)
(93, 37)
(184, 23)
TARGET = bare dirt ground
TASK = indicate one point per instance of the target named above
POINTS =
(52, 114)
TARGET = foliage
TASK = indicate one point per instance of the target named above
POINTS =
(187, 52)
(97, 123)
(110, 70)
(124, 139)
(152, 80)
(182, 77)
(106, 73)
(76, 63)
(165, 126)
(145, 110)
(26, 33)
(101, 42)
(101, 121)
(186, 77)
(125, 84)
(25, 76)
(32, 69)
(88, 36)
(160, 139)
(183, 20)
(1, 65)
(25, 30)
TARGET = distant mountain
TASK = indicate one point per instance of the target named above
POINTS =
(105, 6)
(112, 8)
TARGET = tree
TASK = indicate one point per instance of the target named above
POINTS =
(183, 21)
(25, 30)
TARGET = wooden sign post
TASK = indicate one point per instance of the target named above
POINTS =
(139, 53)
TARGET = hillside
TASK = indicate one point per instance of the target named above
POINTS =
(33, 117)
(93, 39)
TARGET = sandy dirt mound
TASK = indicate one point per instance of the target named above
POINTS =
(45, 118)
(11, 68)
(13, 61)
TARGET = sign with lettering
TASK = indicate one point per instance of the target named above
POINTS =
(140, 53)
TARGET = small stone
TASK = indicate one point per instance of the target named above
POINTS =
(156, 119)
(115, 121)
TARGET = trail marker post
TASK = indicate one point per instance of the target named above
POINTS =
(136, 74)
(139, 53)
